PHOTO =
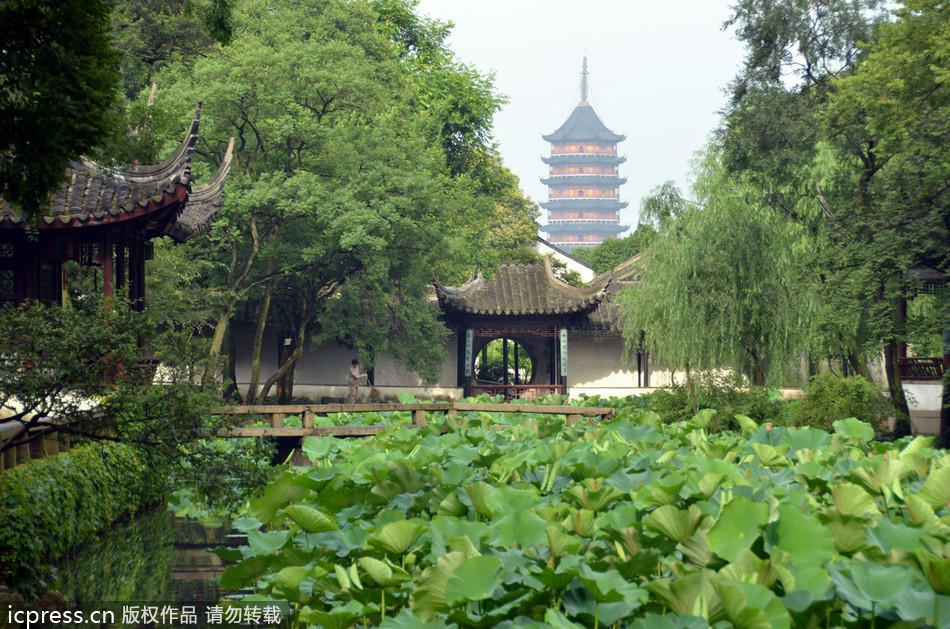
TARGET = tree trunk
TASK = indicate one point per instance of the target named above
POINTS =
(251, 397)
(896, 389)
(692, 390)
(229, 366)
(858, 362)
(217, 342)
(285, 367)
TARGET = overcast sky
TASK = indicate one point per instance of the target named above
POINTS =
(657, 73)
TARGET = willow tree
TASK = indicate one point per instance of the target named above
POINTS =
(719, 287)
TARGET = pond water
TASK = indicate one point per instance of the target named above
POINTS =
(154, 557)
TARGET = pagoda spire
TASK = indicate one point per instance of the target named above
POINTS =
(584, 80)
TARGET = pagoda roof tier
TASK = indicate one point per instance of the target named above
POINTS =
(583, 124)
(584, 203)
(95, 196)
(524, 289)
(612, 181)
(581, 159)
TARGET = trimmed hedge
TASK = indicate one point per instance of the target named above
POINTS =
(50, 505)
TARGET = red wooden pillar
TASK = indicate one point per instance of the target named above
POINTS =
(107, 264)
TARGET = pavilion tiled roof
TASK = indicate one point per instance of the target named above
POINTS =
(524, 289)
(607, 318)
(94, 195)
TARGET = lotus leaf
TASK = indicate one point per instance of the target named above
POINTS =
(311, 520)
(397, 537)
(889, 536)
(556, 620)
(687, 594)
(429, 597)
(524, 528)
(849, 532)
(288, 581)
(751, 606)
(854, 430)
(871, 586)
(852, 500)
(670, 621)
(268, 543)
(737, 527)
(807, 439)
(280, 493)
(750, 568)
(770, 456)
(676, 524)
(320, 448)
(937, 571)
(474, 580)
(505, 500)
(936, 488)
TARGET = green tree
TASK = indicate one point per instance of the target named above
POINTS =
(362, 174)
(58, 87)
(818, 120)
(718, 289)
(615, 251)
(74, 369)
(890, 119)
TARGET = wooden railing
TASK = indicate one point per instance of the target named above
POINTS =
(517, 391)
(274, 415)
(921, 368)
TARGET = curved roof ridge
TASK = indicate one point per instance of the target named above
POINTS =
(520, 289)
(583, 124)
(177, 164)
(204, 201)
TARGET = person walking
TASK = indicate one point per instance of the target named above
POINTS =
(355, 376)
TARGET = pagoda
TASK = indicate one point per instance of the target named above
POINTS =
(583, 180)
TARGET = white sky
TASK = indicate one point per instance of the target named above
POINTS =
(657, 72)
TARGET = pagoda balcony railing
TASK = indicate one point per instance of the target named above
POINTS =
(921, 368)
(569, 221)
(586, 154)
(576, 199)
(583, 175)
(516, 391)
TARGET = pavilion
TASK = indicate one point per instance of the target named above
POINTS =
(105, 218)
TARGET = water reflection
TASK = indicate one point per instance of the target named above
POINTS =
(154, 557)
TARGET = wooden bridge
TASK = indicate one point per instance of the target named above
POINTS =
(276, 414)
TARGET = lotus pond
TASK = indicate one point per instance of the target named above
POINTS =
(628, 523)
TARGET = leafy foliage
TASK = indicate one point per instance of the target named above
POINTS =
(58, 87)
(51, 505)
(675, 403)
(364, 171)
(634, 521)
(615, 251)
(829, 398)
(720, 285)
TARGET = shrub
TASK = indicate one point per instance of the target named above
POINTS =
(673, 403)
(50, 505)
(829, 398)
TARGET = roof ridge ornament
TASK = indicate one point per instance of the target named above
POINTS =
(585, 82)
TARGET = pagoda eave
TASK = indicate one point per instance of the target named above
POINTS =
(585, 203)
(587, 228)
(583, 159)
(609, 181)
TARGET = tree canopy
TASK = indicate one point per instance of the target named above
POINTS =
(365, 171)
(58, 92)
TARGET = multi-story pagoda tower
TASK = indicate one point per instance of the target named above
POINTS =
(583, 179)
